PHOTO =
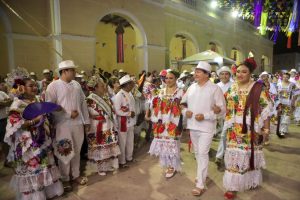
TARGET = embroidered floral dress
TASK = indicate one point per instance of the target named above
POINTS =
(238, 174)
(165, 117)
(36, 175)
(102, 141)
(285, 94)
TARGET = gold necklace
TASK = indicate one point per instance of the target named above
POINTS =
(245, 88)
(170, 91)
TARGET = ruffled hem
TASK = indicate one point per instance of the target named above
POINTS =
(168, 152)
(103, 152)
(29, 183)
(56, 189)
(241, 182)
(104, 166)
(239, 160)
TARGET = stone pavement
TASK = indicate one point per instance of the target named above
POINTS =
(144, 179)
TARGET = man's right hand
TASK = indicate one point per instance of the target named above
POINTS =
(189, 114)
(74, 114)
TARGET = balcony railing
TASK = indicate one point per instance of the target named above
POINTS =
(191, 3)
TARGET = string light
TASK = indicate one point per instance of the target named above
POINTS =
(213, 4)
(234, 13)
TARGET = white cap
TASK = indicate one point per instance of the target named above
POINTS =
(66, 64)
(224, 69)
(82, 72)
(32, 74)
(45, 71)
(204, 66)
(125, 79)
(121, 70)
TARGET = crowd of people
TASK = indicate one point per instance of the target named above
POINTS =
(44, 123)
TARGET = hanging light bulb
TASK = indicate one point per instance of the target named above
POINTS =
(213, 4)
(234, 13)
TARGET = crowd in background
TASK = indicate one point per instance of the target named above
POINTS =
(48, 125)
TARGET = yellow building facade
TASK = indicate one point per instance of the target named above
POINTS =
(158, 33)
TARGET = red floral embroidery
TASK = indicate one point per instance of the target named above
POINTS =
(33, 162)
(160, 128)
(163, 106)
(14, 118)
(175, 110)
(232, 136)
(172, 129)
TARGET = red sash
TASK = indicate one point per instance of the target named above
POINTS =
(99, 131)
(123, 127)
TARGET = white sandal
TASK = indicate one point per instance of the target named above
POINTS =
(170, 173)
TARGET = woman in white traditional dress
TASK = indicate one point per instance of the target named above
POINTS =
(36, 174)
(166, 124)
(103, 149)
(244, 157)
(285, 95)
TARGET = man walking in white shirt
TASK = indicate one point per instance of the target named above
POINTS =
(5, 102)
(124, 105)
(202, 101)
(224, 74)
(69, 122)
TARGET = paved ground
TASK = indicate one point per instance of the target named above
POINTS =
(144, 180)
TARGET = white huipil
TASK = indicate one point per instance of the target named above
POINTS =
(200, 100)
(285, 94)
(124, 104)
(69, 132)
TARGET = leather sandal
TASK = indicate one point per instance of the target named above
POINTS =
(198, 191)
(170, 173)
(81, 180)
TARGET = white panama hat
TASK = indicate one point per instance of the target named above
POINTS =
(224, 69)
(263, 73)
(45, 71)
(66, 64)
(204, 66)
(125, 79)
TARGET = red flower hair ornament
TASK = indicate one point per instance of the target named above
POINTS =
(252, 62)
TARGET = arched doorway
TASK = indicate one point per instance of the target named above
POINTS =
(181, 46)
(236, 55)
(120, 44)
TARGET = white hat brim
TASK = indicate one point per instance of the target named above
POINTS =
(219, 72)
(67, 67)
(126, 82)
